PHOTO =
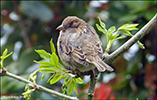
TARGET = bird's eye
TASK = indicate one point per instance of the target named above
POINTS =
(69, 25)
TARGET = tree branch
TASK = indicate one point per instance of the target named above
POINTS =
(93, 81)
(141, 33)
(37, 87)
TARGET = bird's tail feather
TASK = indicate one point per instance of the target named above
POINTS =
(102, 66)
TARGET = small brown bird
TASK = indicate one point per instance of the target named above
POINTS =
(79, 46)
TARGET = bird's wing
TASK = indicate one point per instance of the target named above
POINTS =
(76, 54)
(93, 50)
(93, 43)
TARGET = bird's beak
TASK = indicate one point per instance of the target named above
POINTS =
(61, 27)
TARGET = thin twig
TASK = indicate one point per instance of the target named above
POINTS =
(41, 88)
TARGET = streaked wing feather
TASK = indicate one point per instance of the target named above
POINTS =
(78, 56)
(101, 66)
(65, 49)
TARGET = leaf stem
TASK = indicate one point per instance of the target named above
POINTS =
(2, 63)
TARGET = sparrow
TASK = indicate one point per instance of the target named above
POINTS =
(79, 46)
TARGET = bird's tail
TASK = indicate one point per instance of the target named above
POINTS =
(102, 66)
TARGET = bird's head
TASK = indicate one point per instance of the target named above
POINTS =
(71, 22)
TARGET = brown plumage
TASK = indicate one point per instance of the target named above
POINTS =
(79, 46)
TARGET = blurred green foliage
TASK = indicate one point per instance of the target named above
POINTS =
(26, 26)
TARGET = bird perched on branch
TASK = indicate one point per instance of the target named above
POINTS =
(79, 46)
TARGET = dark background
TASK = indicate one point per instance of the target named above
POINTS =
(30, 25)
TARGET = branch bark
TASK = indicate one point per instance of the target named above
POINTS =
(109, 58)
(37, 87)
(93, 81)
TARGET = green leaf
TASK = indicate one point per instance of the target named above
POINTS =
(43, 54)
(115, 36)
(42, 77)
(102, 24)
(79, 80)
(66, 76)
(54, 59)
(111, 29)
(52, 47)
(5, 55)
(141, 45)
(26, 87)
(121, 37)
(129, 27)
(5, 52)
(48, 70)
(56, 77)
(71, 86)
(75, 86)
(33, 77)
(126, 32)
(99, 28)
(45, 64)
(112, 36)
(27, 93)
